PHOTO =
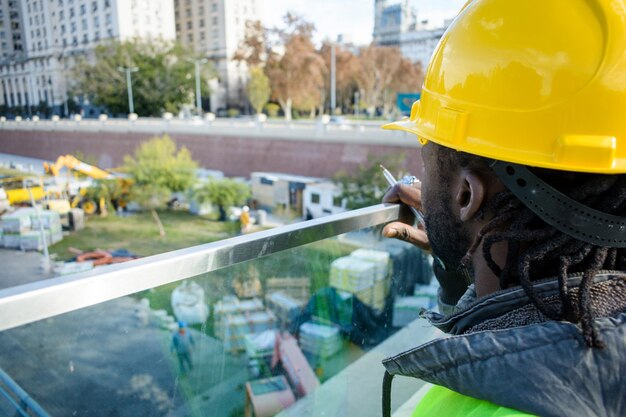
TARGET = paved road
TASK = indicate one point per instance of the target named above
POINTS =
(112, 359)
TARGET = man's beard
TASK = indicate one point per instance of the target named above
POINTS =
(446, 235)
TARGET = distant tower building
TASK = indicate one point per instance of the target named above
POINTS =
(419, 45)
(47, 36)
(397, 25)
(215, 29)
(391, 21)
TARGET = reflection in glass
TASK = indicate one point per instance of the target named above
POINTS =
(266, 334)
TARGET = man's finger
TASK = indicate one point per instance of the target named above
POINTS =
(410, 234)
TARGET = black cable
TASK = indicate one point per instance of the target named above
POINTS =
(387, 394)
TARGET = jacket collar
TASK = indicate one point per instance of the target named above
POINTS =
(543, 368)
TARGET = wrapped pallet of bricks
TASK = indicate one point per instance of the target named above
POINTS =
(260, 345)
(320, 340)
(11, 240)
(298, 288)
(49, 219)
(17, 222)
(380, 291)
(234, 328)
(381, 259)
(352, 274)
(230, 305)
(286, 308)
(33, 240)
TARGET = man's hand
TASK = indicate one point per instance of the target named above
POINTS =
(453, 283)
(408, 195)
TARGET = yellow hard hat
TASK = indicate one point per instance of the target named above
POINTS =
(535, 82)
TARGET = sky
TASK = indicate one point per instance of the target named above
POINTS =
(354, 18)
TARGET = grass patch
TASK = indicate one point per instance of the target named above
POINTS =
(139, 234)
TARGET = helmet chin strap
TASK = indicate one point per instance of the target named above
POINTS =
(560, 211)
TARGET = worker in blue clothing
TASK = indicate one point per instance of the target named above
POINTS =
(182, 343)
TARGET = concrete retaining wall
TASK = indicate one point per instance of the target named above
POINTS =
(234, 155)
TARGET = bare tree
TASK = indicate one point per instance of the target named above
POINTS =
(383, 72)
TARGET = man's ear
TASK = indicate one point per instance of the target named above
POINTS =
(471, 195)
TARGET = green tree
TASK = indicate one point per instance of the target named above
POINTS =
(158, 162)
(157, 170)
(258, 89)
(164, 81)
(222, 193)
(367, 185)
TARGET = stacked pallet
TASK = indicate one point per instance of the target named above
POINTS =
(260, 345)
(381, 259)
(352, 274)
(234, 319)
(320, 340)
(365, 274)
(297, 288)
(286, 308)
(21, 229)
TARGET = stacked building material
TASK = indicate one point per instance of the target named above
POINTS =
(297, 288)
(260, 345)
(33, 240)
(381, 259)
(380, 291)
(352, 274)
(320, 340)
(234, 319)
(21, 229)
(365, 274)
(231, 305)
(51, 222)
(233, 329)
(286, 308)
(13, 225)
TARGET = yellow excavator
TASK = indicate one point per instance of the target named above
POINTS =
(82, 199)
(71, 162)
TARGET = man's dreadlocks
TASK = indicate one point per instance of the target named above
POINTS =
(537, 250)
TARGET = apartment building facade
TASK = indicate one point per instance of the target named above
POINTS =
(215, 29)
(396, 24)
(40, 41)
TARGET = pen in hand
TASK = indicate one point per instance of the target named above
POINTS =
(392, 181)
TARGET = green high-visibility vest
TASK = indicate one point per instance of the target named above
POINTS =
(440, 401)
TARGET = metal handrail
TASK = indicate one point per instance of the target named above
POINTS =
(27, 303)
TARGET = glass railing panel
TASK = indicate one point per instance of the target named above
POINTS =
(267, 332)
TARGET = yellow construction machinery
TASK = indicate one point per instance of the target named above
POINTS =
(91, 199)
(16, 189)
(70, 162)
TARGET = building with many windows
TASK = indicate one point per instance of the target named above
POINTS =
(41, 39)
(392, 20)
(215, 29)
(396, 24)
(419, 45)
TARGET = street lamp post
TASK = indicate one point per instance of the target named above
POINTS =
(197, 63)
(129, 84)
(333, 87)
